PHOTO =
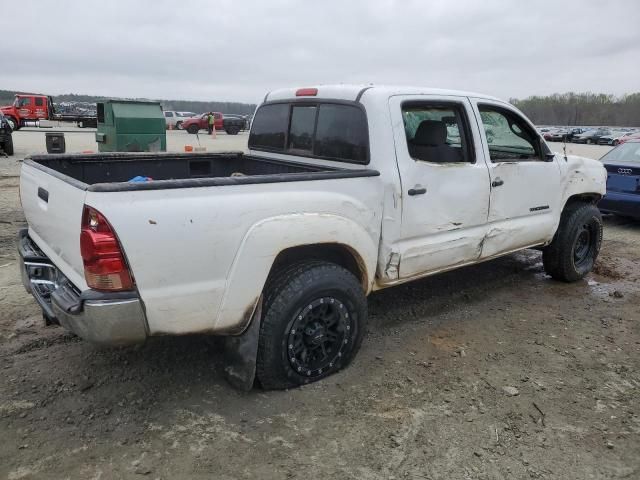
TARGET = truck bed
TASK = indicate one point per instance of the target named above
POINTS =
(113, 171)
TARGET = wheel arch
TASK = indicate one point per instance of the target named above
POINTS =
(587, 197)
(277, 242)
(337, 253)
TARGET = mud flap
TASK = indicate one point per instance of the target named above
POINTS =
(241, 351)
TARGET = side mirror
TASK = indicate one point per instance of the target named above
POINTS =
(549, 157)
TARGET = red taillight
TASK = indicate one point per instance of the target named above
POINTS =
(105, 267)
(306, 92)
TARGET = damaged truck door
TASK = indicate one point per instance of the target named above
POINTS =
(444, 181)
(525, 180)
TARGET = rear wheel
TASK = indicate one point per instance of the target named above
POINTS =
(193, 129)
(232, 130)
(616, 142)
(575, 247)
(313, 324)
(589, 141)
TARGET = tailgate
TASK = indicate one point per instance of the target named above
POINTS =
(53, 209)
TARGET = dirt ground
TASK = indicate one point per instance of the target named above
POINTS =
(494, 371)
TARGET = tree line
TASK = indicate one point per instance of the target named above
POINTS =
(6, 98)
(557, 109)
(597, 109)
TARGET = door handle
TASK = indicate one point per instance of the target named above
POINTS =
(497, 182)
(43, 194)
(417, 191)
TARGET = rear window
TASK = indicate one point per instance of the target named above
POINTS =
(324, 130)
(342, 133)
(303, 122)
(269, 127)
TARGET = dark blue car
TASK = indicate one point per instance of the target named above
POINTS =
(623, 180)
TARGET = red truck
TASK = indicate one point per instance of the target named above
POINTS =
(231, 125)
(31, 108)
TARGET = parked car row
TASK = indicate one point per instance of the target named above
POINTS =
(595, 136)
(175, 119)
(193, 122)
(230, 124)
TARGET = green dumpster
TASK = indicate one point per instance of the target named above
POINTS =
(131, 126)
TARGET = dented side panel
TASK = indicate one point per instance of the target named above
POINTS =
(443, 226)
(524, 210)
(582, 175)
(200, 255)
(525, 200)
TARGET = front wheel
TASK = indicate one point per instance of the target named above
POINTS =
(575, 247)
(313, 324)
(616, 143)
(179, 125)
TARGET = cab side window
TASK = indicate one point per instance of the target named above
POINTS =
(39, 102)
(24, 102)
(437, 132)
(509, 137)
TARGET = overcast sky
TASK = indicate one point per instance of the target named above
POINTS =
(238, 50)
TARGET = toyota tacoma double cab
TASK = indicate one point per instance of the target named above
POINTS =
(345, 190)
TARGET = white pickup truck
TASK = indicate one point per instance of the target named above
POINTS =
(345, 190)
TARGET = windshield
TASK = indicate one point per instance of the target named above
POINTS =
(627, 152)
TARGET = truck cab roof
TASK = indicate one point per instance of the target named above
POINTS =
(355, 92)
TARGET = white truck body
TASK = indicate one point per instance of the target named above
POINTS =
(201, 255)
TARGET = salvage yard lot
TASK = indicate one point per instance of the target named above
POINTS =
(493, 371)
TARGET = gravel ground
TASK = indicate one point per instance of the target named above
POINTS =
(493, 371)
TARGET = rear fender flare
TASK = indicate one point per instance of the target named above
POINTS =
(266, 239)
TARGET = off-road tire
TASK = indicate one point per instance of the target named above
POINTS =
(7, 146)
(559, 257)
(193, 129)
(290, 292)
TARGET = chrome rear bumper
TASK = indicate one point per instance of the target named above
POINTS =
(108, 318)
